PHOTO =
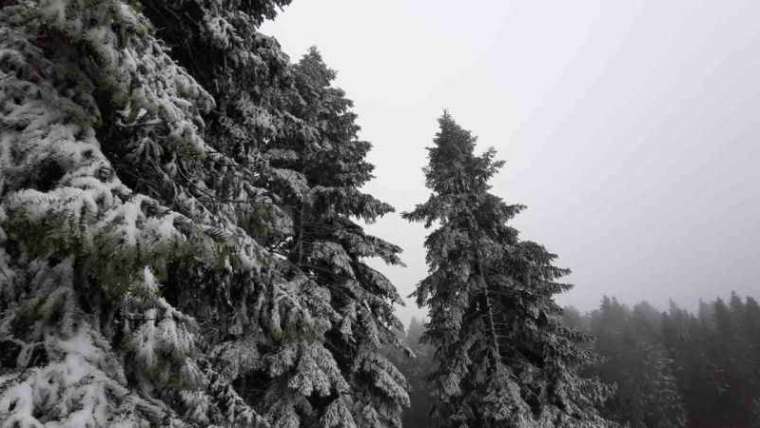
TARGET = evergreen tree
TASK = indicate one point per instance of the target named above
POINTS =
(324, 169)
(142, 228)
(86, 257)
(503, 356)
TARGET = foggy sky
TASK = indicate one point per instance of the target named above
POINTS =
(631, 129)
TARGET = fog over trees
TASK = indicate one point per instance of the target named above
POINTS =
(673, 368)
(183, 243)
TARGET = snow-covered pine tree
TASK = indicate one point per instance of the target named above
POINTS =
(504, 358)
(295, 380)
(330, 247)
(95, 340)
(136, 283)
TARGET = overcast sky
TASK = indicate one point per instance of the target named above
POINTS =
(631, 129)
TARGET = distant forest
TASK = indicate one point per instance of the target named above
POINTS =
(671, 368)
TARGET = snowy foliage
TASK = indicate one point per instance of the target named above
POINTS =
(154, 269)
(329, 246)
(503, 358)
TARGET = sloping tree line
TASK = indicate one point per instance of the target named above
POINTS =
(677, 368)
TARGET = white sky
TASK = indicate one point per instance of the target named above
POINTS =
(630, 128)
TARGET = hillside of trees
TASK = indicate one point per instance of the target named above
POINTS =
(672, 368)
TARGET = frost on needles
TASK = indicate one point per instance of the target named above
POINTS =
(177, 235)
(503, 357)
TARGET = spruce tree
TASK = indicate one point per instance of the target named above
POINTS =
(264, 122)
(503, 356)
(145, 269)
(328, 164)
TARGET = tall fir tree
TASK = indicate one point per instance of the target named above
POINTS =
(503, 356)
(329, 166)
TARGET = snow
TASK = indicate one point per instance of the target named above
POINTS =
(90, 253)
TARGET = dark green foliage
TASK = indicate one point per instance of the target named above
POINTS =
(675, 368)
(636, 361)
(717, 354)
(503, 357)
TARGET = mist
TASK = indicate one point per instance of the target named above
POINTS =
(629, 128)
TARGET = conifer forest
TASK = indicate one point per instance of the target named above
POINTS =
(190, 237)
